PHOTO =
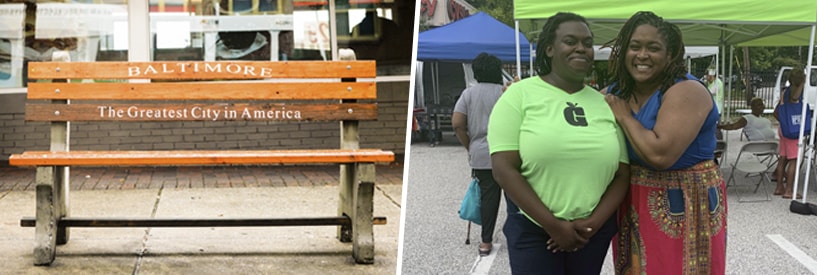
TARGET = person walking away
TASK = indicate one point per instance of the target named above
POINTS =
(470, 123)
(788, 146)
(673, 220)
(559, 155)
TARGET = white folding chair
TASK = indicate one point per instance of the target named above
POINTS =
(749, 161)
(720, 152)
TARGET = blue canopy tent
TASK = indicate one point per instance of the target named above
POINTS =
(464, 39)
(444, 55)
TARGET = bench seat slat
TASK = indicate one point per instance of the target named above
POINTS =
(204, 91)
(202, 70)
(201, 112)
(187, 157)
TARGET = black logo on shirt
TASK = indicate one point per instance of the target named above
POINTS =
(574, 115)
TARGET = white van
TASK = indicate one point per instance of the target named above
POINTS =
(810, 91)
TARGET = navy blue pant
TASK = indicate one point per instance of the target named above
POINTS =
(527, 249)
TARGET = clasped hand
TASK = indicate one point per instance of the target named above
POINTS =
(570, 236)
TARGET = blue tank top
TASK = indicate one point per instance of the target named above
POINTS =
(702, 147)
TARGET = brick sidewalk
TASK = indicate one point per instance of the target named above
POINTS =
(105, 178)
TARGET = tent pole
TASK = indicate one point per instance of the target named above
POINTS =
(435, 71)
(419, 85)
(518, 57)
(808, 147)
(531, 54)
(729, 88)
(808, 77)
(719, 74)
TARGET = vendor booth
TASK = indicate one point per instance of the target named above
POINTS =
(444, 55)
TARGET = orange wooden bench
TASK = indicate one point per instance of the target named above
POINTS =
(289, 92)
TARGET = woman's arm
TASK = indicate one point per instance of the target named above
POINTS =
(459, 122)
(740, 123)
(506, 169)
(683, 110)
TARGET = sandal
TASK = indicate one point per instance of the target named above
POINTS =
(485, 249)
(788, 196)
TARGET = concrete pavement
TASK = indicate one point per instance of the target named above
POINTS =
(763, 237)
(207, 193)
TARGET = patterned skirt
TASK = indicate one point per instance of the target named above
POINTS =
(673, 222)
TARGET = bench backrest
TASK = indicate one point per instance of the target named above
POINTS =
(210, 84)
(295, 91)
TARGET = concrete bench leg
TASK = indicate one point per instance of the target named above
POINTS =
(356, 202)
(362, 231)
(45, 240)
(61, 202)
(345, 199)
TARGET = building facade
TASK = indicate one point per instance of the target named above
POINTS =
(168, 30)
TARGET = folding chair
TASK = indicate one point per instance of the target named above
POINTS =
(720, 152)
(749, 161)
(769, 159)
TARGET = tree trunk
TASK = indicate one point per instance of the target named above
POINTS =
(750, 89)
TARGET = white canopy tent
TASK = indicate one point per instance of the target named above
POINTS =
(691, 52)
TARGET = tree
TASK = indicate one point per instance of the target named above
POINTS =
(502, 10)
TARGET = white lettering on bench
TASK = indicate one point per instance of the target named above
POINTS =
(283, 113)
(199, 113)
(170, 68)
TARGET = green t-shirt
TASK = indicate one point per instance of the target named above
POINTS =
(570, 144)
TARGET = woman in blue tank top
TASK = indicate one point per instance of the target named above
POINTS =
(673, 220)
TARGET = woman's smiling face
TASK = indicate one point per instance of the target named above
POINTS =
(572, 50)
(647, 55)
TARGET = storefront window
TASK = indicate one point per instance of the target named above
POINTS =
(98, 30)
(31, 31)
(379, 30)
(221, 30)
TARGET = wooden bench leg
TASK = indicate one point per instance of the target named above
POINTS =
(45, 240)
(362, 229)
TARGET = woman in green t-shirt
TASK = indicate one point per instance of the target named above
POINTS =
(558, 153)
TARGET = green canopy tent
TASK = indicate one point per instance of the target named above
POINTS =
(799, 37)
(704, 23)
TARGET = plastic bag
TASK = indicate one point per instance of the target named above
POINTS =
(790, 115)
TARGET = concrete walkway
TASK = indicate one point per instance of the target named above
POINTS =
(302, 191)
(763, 237)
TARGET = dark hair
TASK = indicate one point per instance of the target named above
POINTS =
(487, 68)
(675, 48)
(797, 76)
(547, 37)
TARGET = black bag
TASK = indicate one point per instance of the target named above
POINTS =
(802, 208)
